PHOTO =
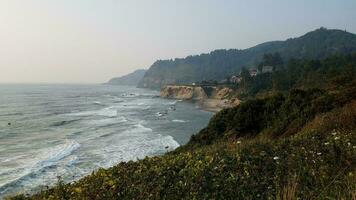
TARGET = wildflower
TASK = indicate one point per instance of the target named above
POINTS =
(318, 153)
(333, 133)
(326, 143)
(349, 144)
(354, 147)
(276, 158)
(336, 138)
(238, 142)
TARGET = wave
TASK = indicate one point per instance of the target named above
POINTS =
(106, 122)
(97, 103)
(141, 128)
(178, 121)
(130, 95)
(59, 152)
(47, 158)
(133, 148)
(118, 100)
(172, 103)
(133, 131)
(4, 160)
(107, 112)
(11, 114)
(65, 122)
(161, 114)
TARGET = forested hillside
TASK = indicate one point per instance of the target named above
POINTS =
(130, 79)
(219, 64)
(294, 143)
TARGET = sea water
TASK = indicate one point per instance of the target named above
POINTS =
(67, 131)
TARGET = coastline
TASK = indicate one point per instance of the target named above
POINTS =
(216, 105)
(208, 98)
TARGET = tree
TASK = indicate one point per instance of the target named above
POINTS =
(246, 78)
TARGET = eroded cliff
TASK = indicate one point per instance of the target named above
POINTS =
(209, 98)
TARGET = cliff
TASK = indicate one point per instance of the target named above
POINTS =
(183, 92)
(209, 98)
(219, 64)
(130, 79)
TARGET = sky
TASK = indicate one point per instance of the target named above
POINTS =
(90, 41)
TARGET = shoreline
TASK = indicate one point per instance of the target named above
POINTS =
(214, 105)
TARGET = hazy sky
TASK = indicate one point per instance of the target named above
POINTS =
(90, 41)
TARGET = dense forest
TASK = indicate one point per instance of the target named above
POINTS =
(219, 64)
(294, 137)
(303, 73)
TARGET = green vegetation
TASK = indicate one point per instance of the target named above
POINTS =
(299, 144)
(219, 64)
(329, 73)
(129, 79)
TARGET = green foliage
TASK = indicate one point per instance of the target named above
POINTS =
(276, 115)
(219, 64)
(270, 59)
(329, 73)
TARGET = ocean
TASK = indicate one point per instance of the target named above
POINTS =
(67, 131)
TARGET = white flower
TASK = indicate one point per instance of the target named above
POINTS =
(326, 143)
(333, 133)
(318, 153)
(238, 142)
(276, 158)
(349, 144)
(336, 138)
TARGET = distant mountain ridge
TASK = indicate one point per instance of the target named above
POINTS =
(219, 64)
(130, 79)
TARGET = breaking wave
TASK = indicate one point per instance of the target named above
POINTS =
(47, 158)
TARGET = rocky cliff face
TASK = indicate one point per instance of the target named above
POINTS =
(183, 92)
(209, 98)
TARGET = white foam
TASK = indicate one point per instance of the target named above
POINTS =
(161, 114)
(172, 103)
(105, 122)
(46, 158)
(139, 128)
(98, 103)
(108, 112)
(178, 121)
(71, 160)
(133, 148)
(4, 160)
(59, 152)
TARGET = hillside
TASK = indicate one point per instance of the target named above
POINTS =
(295, 144)
(219, 64)
(130, 79)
